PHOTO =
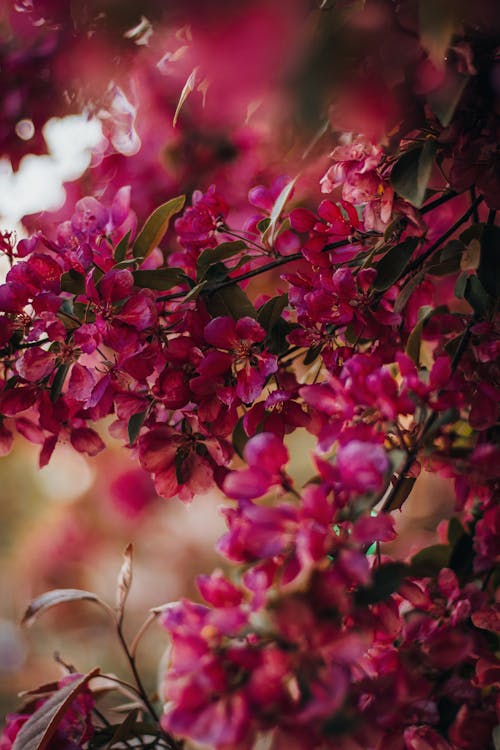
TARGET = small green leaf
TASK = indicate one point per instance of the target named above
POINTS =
(477, 296)
(161, 279)
(58, 382)
(415, 338)
(312, 354)
(122, 247)
(269, 313)
(407, 290)
(385, 581)
(263, 224)
(240, 438)
(488, 271)
(411, 173)
(155, 227)
(401, 494)
(134, 426)
(73, 282)
(280, 203)
(231, 300)
(392, 264)
(460, 285)
(430, 560)
(212, 255)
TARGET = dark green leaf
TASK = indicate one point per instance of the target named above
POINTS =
(455, 531)
(392, 264)
(217, 254)
(263, 224)
(477, 296)
(41, 726)
(270, 312)
(276, 339)
(58, 382)
(411, 173)
(225, 300)
(312, 353)
(73, 282)
(161, 279)
(462, 555)
(460, 285)
(155, 227)
(407, 290)
(385, 581)
(488, 271)
(429, 561)
(122, 247)
(415, 338)
(134, 426)
(240, 438)
(401, 494)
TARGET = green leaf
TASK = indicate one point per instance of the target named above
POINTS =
(411, 173)
(312, 353)
(134, 426)
(231, 300)
(41, 726)
(488, 271)
(58, 382)
(280, 203)
(263, 224)
(477, 296)
(240, 438)
(455, 531)
(401, 494)
(228, 300)
(122, 247)
(392, 264)
(415, 338)
(407, 290)
(212, 255)
(161, 279)
(73, 282)
(460, 285)
(155, 227)
(429, 561)
(385, 581)
(269, 313)
(437, 20)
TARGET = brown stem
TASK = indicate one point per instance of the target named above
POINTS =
(422, 258)
(257, 271)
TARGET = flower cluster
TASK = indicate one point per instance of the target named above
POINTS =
(374, 333)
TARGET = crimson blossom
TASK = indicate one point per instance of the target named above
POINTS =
(373, 336)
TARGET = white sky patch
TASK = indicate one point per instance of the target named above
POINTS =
(38, 185)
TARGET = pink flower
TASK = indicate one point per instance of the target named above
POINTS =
(243, 339)
(265, 455)
(362, 466)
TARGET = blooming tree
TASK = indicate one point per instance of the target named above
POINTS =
(374, 328)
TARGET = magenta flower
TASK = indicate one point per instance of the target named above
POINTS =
(362, 466)
(243, 339)
(265, 455)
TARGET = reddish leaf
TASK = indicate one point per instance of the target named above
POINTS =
(42, 725)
